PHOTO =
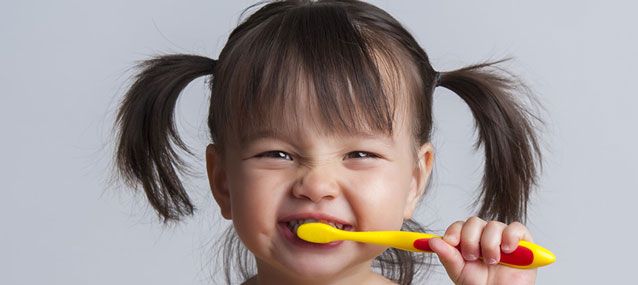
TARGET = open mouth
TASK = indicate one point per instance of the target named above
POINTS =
(289, 224)
(293, 225)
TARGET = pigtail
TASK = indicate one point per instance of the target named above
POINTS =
(507, 135)
(145, 126)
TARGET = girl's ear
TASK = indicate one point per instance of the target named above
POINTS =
(420, 177)
(217, 179)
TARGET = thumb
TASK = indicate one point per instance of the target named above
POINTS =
(449, 256)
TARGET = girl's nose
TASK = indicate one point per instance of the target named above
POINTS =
(315, 184)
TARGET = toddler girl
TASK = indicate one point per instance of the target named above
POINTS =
(322, 110)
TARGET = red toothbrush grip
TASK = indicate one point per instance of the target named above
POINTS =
(521, 256)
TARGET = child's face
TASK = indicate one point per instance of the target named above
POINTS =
(371, 183)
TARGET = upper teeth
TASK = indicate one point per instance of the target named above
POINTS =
(294, 224)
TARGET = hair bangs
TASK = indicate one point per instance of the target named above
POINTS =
(315, 60)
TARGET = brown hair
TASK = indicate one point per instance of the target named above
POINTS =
(354, 61)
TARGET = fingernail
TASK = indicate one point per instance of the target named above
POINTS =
(491, 261)
(505, 248)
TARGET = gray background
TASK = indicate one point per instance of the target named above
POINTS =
(65, 65)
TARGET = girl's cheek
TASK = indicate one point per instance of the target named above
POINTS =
(380, 200)
(254, 201)
(253, 196)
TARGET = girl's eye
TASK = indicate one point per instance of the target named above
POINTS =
(362, 154)
(280, 154)
(274, 154)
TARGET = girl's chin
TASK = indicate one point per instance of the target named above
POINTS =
(322, 271)
(310, 266)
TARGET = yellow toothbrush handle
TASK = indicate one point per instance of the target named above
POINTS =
(396, 239)
(324, 233)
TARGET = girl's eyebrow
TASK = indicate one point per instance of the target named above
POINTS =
(271, 133)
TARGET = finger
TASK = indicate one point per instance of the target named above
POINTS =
(512, 234)
(453, 233)
(470, 238)
(491, 241)
(449, 257)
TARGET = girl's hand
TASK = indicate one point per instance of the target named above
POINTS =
(478, 237)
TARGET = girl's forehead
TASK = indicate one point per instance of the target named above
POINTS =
(305, 120)
(297, 135)
(340, 103)
(303, 113)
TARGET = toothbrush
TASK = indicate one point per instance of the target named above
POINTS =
(526, 256)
